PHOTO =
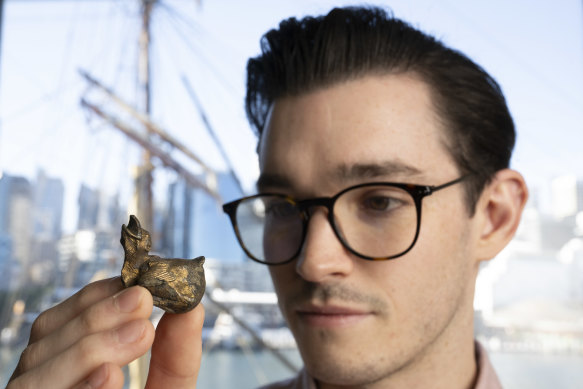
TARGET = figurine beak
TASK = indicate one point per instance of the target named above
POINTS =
(133, 229)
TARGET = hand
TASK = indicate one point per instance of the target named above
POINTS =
(84, 341)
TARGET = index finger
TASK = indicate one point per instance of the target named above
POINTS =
(57, 316)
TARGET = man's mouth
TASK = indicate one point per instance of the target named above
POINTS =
(331, 316)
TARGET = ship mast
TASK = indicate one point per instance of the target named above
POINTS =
(142, 201)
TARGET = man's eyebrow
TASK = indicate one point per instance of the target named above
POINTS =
(267, 180)
(359, 171)
(346, 173)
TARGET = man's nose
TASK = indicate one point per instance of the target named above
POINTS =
(322, 256)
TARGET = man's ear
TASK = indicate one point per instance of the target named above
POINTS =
(499, 209)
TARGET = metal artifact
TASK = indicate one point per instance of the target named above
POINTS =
(176, 284)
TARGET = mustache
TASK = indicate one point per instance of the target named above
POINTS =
(323, 293)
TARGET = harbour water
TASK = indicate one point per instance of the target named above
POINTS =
(240, 369)
(538, 371)
(228, 369)
(233, 369)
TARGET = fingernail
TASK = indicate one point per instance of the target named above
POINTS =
(131, 332)
(128, 299)
(116, 282)
(98, 377)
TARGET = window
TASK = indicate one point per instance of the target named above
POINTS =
(67, 174)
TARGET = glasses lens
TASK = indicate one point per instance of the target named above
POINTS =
(377, 221)
(270, 228)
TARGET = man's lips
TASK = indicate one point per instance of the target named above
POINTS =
(331, 315)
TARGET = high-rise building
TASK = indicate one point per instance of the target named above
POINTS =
(97, 210)
(10, 270)
(177, 223)
(566, 196)
(48, 207)
(579, 195)
(88, 208)
(30, 225)
(16, 215)
(5, 250)
(47, 215)
(196, 225)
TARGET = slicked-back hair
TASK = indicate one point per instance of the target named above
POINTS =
(348, 43)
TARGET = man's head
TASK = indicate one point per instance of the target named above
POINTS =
(304, 55)
(357, 98)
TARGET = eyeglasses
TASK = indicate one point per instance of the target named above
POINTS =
(375, 221)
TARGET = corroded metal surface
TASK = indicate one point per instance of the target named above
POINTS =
(177, 285)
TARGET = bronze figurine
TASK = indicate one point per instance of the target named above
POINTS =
(176, 284)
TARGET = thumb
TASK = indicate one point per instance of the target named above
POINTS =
(177, 350)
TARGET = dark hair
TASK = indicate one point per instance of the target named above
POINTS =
(348, 43)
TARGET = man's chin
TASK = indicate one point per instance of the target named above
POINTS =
(342, 372)
(331, 358)
(339, 356)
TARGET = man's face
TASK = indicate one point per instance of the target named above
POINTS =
(358, 321)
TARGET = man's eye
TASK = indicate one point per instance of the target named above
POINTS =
(380, 203)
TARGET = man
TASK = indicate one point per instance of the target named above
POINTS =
(364, 125)
(376, 295)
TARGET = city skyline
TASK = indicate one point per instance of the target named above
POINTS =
(42, 125)
(190, 220)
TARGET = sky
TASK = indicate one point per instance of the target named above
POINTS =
(534, 48)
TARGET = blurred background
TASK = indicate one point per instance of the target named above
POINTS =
(112, 107)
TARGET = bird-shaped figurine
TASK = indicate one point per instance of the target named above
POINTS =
(177, 285)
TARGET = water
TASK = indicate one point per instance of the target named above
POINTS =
(227, 369)
(538, 371)
(245, 370)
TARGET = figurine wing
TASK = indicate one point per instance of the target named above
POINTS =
(159, 273)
